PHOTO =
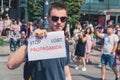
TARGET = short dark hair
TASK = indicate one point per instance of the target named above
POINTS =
(57, 5)
(109, 21)
(89, 29)
(111, 26)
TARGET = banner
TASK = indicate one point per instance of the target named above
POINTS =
(49, 47)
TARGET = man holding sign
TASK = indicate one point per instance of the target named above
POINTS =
(54, 63)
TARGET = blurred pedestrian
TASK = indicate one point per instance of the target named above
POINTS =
(7, 25)
(80, 51)
(88, 43)
(1, 25)
(14, 39)
(109, 49)
(117, 32)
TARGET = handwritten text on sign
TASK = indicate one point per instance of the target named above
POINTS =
(52, 46)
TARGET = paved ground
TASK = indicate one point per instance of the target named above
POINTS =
(93, 71)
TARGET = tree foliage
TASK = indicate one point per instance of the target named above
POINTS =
(36, 9)
(73, 10)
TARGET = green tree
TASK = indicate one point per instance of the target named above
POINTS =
(35, 9)
(73, 10)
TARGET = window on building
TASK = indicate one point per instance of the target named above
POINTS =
(88, 1)
(91, 1)
(118, 19)
(0, 2)
(96, 1)
(6, 3)
(14, 3)
(113, 18)
(101, 0)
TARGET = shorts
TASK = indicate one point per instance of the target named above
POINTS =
(106, 58)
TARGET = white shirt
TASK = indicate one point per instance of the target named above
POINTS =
(109, 43)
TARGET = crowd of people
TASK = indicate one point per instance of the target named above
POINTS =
(14, 29)
(83, 40)
(108, 38)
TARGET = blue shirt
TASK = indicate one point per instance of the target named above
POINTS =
(51, 69)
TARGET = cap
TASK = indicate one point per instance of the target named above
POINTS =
(111, 27)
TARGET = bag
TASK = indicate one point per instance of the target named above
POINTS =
(3, 32)
(28, 71)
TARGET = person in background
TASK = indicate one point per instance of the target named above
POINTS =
(7, 24)
(100, 29)
(31, 26)
(109, 49)
(80, 51)
(14, 38)
(14, 25)
(93, 39)
(76, 31)
(19, 22)
(49, 69)
(117, 32)
(67, 31)
(108, 23)
(88, 43)
(1, 25)
(23, 38)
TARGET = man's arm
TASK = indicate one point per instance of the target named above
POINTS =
(115, 47)
(17, 58)
(67, 73)
(98, 34)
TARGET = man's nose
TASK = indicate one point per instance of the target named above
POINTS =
(59, 21)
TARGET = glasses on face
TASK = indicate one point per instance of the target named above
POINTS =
(62, 19)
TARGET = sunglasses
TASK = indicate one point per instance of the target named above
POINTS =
(62, 19)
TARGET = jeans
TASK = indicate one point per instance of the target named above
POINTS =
(14, 43)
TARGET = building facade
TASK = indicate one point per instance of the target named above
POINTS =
(16, 9)
(98, 11)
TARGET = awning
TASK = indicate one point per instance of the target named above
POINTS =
(114, 10)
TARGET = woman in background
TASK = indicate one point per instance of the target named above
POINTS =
(80, 51)
(88, 43)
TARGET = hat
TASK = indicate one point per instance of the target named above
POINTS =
(111, 27)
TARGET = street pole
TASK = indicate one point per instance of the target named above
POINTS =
(89, 9)
(9, 3)
(108, 4)
(45, 13)
(2, 4)
(2, 10)
(26, 11)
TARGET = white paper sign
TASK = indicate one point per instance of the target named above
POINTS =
(49, 47)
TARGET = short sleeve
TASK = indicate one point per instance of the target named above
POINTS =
(116, 38)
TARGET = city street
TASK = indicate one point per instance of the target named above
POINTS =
(82, 24)
(93, 71)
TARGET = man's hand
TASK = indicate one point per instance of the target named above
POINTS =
(40, 33)
(112, 53)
